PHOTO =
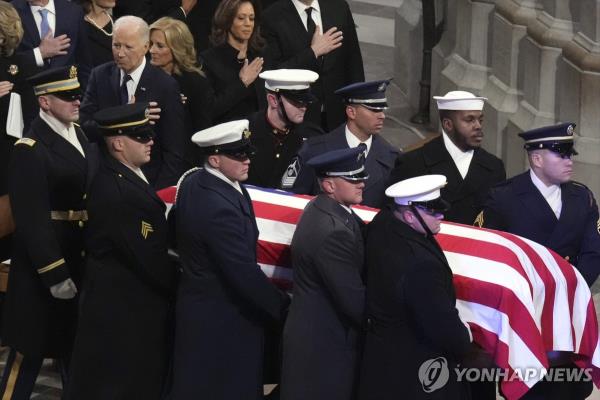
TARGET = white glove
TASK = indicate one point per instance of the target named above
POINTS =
(64, 290)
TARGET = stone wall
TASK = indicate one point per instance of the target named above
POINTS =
(537, 61)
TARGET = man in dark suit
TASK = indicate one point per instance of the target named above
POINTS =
(365, 105)
(130, 280)
(414, 332)
(544, 205)
(224, 301)
(280, 130)
(131, 79)
(323, 332)
(50, 172)
(320, 36)
(456, 153)
(151, 10)
(54, 36)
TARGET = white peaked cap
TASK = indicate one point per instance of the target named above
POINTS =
(460, 100)
(288, 79)
(420, 188)
(218, 135)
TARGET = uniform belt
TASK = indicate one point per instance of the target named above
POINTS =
(70, 215)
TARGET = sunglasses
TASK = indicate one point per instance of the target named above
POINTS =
(142, 139)
(241, 156)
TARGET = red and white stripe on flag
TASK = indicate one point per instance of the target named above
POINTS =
(519, 298)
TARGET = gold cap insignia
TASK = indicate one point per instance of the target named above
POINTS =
(13, 69)
(147, 113)
(479, 220)
(73, 72)
(246, 134)
(570, 130)
(381, 87)
(146, 229)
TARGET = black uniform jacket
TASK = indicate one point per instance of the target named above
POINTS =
(232, 99)
(47, 174)
(274, 152)
(518, 207)
(289, 47)
(167, 158)
(380, 161)
(224, 300)
(128, 291)
(69, 21)
(323, 331)
(411, 306)
(466, 196)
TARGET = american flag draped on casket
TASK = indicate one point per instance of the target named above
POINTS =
(520, 299)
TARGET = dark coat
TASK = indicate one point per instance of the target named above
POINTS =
(232, 100)
(466, 196)
(48, 174)
(518, 207)
(380, 161)
(289, 47)
(15, 70)
(197, 106)
(323, 331)
(167, 158)
(150, 10)
(128, 290)
(274, 153)
(100, 44)
(411, 306)
(69, 21)
(224, 300)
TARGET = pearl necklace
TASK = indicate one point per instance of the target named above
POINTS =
(100, 28)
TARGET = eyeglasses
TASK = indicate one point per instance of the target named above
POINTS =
(142, 139)
(242, 156)
(430, 211)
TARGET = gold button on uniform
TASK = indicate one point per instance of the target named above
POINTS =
(82, 253)
(85, 196)
(80, 223)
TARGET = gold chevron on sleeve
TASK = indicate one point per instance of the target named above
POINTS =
(50, 267)
(479, 220)
(146, 229)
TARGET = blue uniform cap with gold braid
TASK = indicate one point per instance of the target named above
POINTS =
(128, 120)
(556, 138)
(61, 82)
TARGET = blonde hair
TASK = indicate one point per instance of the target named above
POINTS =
(180, 42)
(11, 30)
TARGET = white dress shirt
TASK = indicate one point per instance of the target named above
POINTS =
(136, 75)
(316, 13)
(68, 133)
(353, 141)
(219, 174)
(35, 10)
(462, 159)
(551, 193)
(137, 171)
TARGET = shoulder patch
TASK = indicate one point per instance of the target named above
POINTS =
(28, 141)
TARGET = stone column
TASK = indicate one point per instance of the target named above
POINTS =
(578, 98)
(509, 28)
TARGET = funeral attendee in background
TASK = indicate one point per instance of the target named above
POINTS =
(365, 106)
(233, 64)
(279, 131)
(457, 154)
(320, 36)
(323, 333)
(49, 174)
(54, 35)
(99, 27)
(130, 78)
(151, 10)
(14, 92)
(411, 303)
(172, 50)
(546, 206)
(224, 301)
(121, 349)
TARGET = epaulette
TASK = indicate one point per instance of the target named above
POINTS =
(589, 192)
(28, 141)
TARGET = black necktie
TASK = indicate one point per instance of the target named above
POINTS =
(310, 24)
(124, 92)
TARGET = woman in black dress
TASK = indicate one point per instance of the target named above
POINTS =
(233, 65)
(13, 72)
(99, 27)
(172, 49)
